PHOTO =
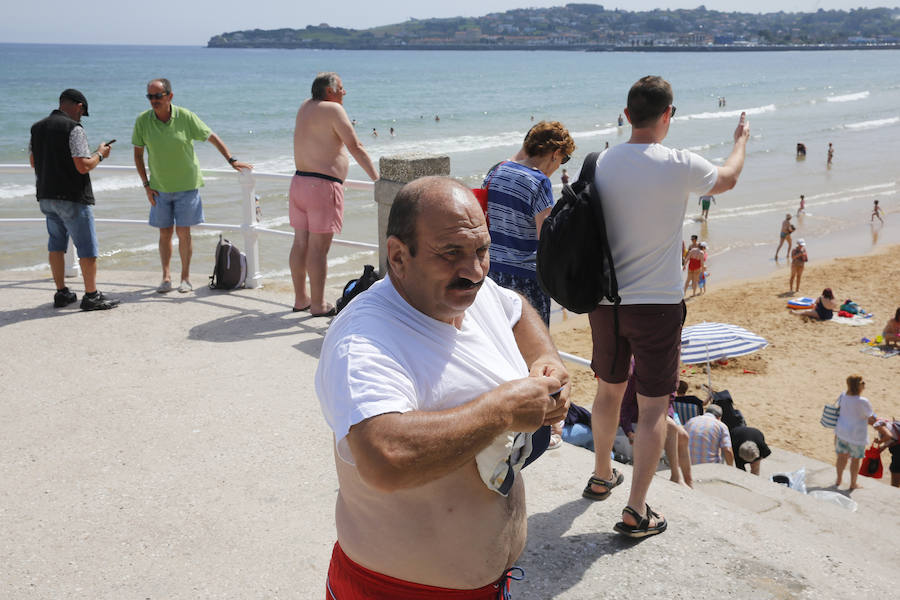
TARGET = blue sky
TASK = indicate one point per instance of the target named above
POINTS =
(193, 22)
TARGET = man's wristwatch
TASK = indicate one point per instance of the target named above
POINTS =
(100, 156)
(231, 160)
(146, 184)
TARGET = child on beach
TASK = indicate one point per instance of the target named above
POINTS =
(802, 205)
(876, 212)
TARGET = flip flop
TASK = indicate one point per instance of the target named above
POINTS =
(617, 479)
(642, 529)
(304, 309)
(328, 313)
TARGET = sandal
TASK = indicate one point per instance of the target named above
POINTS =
(642, 529)
(617, 479)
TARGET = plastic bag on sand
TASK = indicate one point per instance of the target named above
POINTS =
(795, 480)
(835, 498)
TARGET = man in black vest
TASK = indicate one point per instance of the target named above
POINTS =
(61, 159)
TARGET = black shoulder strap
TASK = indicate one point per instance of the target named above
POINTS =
(588, 168)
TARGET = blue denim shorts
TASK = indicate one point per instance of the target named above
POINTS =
(183, 209)
(64, 219)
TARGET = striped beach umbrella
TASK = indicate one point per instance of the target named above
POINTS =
(707, 342)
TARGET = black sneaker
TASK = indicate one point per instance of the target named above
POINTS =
(98, 302)
(63, 298)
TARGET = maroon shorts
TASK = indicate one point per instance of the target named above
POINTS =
(649, 332)
(348, 580)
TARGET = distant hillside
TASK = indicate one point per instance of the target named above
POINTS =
(590, 26)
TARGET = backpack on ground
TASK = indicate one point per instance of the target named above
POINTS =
(230, 271)
(355, 287)
(574, 263)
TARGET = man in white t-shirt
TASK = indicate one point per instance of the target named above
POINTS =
(644, 188)
(425, 379)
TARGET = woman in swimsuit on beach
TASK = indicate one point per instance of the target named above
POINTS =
(891, 333)
(824, 308)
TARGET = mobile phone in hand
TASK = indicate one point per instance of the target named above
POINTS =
(111, 142)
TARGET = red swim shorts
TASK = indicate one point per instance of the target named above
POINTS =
(349, 581)
(317, 204)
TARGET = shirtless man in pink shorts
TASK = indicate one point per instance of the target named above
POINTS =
(321, 131)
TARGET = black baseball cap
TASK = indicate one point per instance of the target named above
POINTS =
(75, 96)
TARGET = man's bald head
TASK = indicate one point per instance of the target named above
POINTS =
(426, 195)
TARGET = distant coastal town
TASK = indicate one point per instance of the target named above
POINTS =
(592, 27)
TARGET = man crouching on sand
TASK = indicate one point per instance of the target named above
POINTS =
(425, 379)
(321, 131)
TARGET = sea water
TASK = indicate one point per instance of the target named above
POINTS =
(486, 102)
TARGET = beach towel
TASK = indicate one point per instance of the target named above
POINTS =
(881, 351)
(854, 320)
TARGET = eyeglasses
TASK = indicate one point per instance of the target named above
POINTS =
(565, 159)
(158, 96)
(672, 114)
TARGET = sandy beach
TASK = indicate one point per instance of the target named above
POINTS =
(782, 388)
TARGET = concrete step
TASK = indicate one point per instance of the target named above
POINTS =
(735, 535)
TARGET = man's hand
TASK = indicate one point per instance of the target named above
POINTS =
(238, 165)
(549, 367)
(742, 131)
(527, 401)
(103, 150)
(151, 195)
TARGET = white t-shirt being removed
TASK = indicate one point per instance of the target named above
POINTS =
(381, 355)
(644, 189)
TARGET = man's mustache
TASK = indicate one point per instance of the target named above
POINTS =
(464, 284)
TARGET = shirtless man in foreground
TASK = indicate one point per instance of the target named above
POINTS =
(321, 131)
(424, 378)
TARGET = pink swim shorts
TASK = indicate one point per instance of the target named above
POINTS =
(317, 204)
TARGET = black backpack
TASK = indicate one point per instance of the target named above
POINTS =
(574, 263)
(230, 271)
(355, 287)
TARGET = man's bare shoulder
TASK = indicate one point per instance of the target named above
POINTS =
(320, 109)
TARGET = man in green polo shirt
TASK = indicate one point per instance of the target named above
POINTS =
(168, 132)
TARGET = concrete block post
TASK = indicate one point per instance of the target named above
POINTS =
(395, 172)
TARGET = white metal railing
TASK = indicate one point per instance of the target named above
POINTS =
(248, 226)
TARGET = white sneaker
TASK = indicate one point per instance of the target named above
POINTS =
(185, 287)
(165, 287)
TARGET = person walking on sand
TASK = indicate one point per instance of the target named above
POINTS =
(798, 262)
(851, 435)
(787, 228)
(802, 208)
(704, 205)
(61, 159)
(321, 131)
(168, 132)
(427, 380)
(877, 212)
(645, 188)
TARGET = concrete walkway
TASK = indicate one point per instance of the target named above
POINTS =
(174, 448)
